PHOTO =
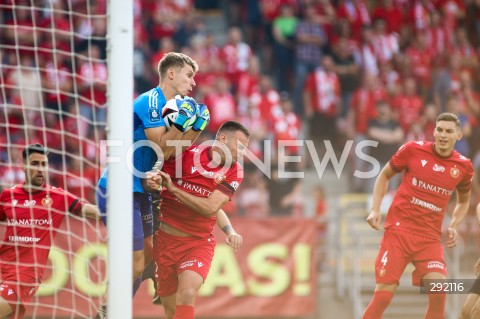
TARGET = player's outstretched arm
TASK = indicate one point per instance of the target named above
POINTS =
(160, 136)
(233, 239)
(90, 211)
(459, 213)
(205, 206)
(201, 123)
(379, 191)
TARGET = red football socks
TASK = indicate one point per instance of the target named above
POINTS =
(380, 301)
(436, 306)
(184, 312)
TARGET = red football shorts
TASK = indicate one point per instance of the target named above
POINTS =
(399, 248)
(17, 295)
(175, 254)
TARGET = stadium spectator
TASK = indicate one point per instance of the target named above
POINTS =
(433, 172)
(57, 81)
(24, 250)
(362, 109)
(322, 103)
(97, 31)
(389, 78)
(55, 28)
(348, 73)
(447, 81)
(310, 37)
(248, 84)
(190, 27)
(19, 28)
(365, 56)
(166, 18)
(221, 103)
(184, 243)
(26, 81)
(386, 130)
(437, 36)
(407, 104)
(417, 14)
(423, 129)
(286, 197)
(390, 13)
(92, 86)
(284, 46)
(422, 59)
(453, 11)
(356, 12)
(266, 100)
(385, 45)
(235, 55)
(287, 126)
(454, 106)
(253, 196)
(259, 130)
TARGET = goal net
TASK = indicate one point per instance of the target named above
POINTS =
(53, 81)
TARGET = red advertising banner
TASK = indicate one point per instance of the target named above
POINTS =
(272, 275)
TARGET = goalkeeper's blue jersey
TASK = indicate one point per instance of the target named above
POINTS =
(147, 113)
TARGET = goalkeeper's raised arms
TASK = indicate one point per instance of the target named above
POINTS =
(203, 118)
(186, 111)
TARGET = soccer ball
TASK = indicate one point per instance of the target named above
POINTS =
(170, 113)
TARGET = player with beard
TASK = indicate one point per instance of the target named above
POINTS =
(33, 213)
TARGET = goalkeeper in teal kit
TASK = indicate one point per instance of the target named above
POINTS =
(176, 72)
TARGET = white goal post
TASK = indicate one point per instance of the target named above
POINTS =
(120, 182)
(56, 83)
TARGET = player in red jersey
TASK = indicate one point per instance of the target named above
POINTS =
(197, 185)
(433, 171)
(471, 307)
(32, 213)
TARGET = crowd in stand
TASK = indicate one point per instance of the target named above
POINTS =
(288, 69)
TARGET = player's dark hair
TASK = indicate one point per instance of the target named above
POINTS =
(175, 60)
(34, 148)
(232, 126)
(449, 117)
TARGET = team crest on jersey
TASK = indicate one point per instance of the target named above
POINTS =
(454, 172)
(47, 201)
(154, 115)
(219, 178)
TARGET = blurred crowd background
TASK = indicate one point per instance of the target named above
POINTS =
(319, 70)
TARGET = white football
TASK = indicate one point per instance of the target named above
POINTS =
(170, 113)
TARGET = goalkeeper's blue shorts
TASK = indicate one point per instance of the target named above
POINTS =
(142, 215)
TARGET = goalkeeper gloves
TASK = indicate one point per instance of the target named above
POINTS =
(203, 118)
(186, 110)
